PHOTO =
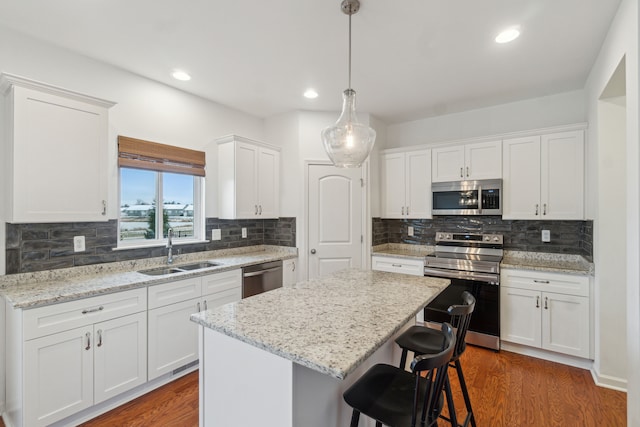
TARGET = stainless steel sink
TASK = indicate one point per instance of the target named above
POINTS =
(198, 265)
(161, 271)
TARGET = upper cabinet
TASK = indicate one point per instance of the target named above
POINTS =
(481, 160)
(56, 148)
(406, 184)
(544, 176)
(248, 179)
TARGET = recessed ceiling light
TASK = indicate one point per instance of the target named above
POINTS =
(310, 94)
(181, 75)
(508, 35)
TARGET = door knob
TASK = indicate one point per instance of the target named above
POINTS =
(313, 251)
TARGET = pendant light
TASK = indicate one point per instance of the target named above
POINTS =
(348, 142)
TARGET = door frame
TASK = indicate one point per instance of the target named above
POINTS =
(303, 252)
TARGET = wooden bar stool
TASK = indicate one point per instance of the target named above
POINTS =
(398, 398)
(423, 340)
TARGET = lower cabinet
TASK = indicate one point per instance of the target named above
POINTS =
(67, 371)
(550, 311)
(414, 267)
(289, 272)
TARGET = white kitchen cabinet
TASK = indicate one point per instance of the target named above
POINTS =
(545, 310)
(173, 337)
(248, 179)
(482, 160)
(414, 267)
(75, 355)
(544, 176)
(57, 149)
(406, 184)
(289, 272)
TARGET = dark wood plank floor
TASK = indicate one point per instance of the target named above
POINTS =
(506, 389)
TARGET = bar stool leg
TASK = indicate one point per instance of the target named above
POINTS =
(403, 359)
(355, 418)
(465, 392)
(452, 410)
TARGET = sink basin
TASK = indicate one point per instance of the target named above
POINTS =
(161, 271)
(198, 265)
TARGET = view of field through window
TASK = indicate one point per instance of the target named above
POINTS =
(139, 192)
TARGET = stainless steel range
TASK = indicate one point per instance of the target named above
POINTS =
(472, 262)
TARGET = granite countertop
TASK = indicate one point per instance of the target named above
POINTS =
(30, 290)
(555, 263)
(331, 324)
(403, 250)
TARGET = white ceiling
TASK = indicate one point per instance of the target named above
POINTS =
(411, 59)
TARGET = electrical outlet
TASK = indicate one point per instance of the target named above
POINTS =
(410, 231)
(546, 236)
(78, 244)
(244, 232)
(216, 234)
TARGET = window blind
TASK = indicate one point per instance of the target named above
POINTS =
(140, 154)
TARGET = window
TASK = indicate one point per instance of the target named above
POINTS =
(144, 181)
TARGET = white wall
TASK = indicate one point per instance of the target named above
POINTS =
(622, 42)
(145, 109)
(554, 110)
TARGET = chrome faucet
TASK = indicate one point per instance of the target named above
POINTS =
(169, 246)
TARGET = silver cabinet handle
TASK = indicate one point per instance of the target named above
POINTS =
(205, 305)
(293, 264)
(467, 171)
(403, 210)
(198, 307)
(256, 207)
(407, 210)
(461, 174)
(104, 207)
(99, 338)
(396, 265)
(537, 302)
(259, 209)
(313, 251)
(262, 272)
(92, 310)
(537, 208)
(546, 303)
(540, 281)
(88, 336)
(544, 209)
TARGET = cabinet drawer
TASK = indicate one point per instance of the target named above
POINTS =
(221, 298)
(172, 292)
(398, 265)
(567, 284)
(42, 321)
(221, 282)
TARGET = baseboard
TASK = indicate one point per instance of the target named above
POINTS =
(551, 356)
(607, 381)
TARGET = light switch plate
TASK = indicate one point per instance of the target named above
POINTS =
(244, 232)
(410, 231)
(78, 244)
(216, 234)
(546, 236)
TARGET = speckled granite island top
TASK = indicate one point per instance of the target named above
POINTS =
(30, 290)
(330, 325)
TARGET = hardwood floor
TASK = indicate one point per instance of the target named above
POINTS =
(506, 389)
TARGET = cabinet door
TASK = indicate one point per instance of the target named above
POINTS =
(520, 316)
(268, 183)
(562, 175)
(483, 160)
(447, 164)
(521, 178)
(290, 272)
(59, 158)
(398, 265)
(58, 375)
(120, 355)
(221, 298)
(418, 184)
(565, 324)
(393, 185)
(173, 337)
(246, 180)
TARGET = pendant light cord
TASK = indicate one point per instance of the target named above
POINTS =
(350, 50)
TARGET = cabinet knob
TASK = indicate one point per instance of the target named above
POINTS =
(313, 251)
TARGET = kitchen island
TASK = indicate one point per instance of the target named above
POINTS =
(283, 358)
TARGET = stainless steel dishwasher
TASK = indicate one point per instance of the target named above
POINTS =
(260, 278)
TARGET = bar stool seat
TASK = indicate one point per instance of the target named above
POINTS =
(398, 398)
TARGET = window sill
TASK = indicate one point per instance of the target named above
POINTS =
(158, 245)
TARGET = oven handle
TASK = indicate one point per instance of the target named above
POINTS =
(491, 279)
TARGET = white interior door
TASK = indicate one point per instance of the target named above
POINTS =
(335, 219)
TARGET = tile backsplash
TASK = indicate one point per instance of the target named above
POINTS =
(37, 247)
(567, 237)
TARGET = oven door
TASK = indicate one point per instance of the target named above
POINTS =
(484, 327)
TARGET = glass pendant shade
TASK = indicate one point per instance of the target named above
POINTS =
(348, 143)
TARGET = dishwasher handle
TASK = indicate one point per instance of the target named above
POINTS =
(261, 272)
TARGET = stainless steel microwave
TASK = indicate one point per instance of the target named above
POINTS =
(482, 197)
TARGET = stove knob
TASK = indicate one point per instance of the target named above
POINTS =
(496, 239)
(440, 236)
(487, 238)
(448, 236)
